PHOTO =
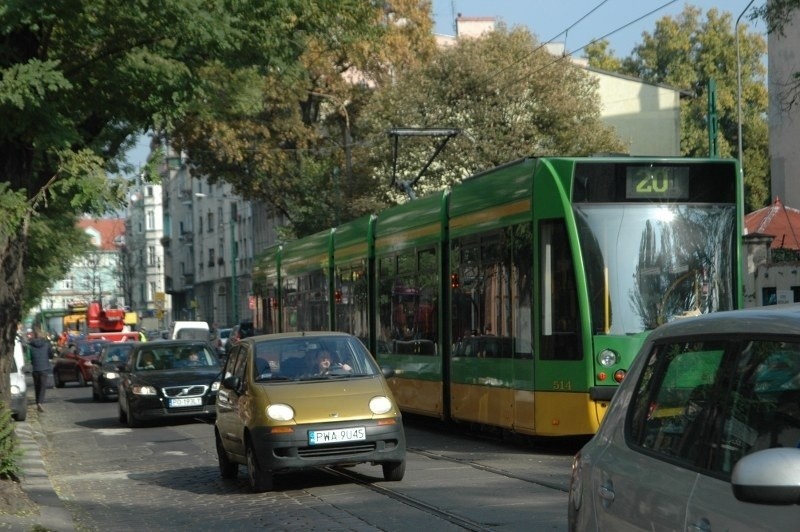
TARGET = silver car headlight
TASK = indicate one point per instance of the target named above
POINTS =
(215, 386)
(380, 404)
(280, 412)
(142, 389)
(110, 375)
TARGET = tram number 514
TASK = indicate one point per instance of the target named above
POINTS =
(563, 386)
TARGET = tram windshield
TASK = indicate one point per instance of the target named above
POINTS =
(647, 264)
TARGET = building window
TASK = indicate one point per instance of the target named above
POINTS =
(211, 256)
(200, 219)
(151, 255)
(210, 222)
(149, 192)
(769, 296)
(151, 220)
(151, 295)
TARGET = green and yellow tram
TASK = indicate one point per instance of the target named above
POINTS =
(518, 298)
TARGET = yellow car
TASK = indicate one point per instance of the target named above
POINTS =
(295, 401)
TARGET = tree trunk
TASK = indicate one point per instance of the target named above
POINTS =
(12, 252)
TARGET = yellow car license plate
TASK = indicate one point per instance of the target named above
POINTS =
(317, 437)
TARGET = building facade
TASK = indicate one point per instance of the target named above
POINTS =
(95, 276)
(143, 256)
(210, 239)
(784, 112)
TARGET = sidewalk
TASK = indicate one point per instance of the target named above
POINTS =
(52, 515)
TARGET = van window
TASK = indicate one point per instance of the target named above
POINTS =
(707, 404)
(192, 334)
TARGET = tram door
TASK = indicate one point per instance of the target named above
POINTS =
(560, 396)
(492, 362)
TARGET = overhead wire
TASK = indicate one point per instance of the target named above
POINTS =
(571, 53)
(553, 38)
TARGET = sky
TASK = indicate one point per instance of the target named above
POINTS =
(586, 20)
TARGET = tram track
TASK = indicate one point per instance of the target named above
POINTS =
(489, 469)
(455, 519)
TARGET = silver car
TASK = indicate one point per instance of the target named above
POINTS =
(703, 433)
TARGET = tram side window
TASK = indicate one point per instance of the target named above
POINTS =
(560, 324)
(490, 294)
(407, 288)
(307, 307)
(270, 311)
(352, 314)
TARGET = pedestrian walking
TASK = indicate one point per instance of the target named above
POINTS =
(41, 351)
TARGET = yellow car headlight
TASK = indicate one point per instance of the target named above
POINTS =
(380, 404)
(280, 412)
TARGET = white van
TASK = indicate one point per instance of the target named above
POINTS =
(19, 390)
(190, 330)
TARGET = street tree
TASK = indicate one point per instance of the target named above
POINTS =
(80, 80)
(687, 52)
(505, 95)
(289, 138)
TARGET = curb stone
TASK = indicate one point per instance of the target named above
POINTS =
(36, 483)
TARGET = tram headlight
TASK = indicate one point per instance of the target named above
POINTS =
(607, 358)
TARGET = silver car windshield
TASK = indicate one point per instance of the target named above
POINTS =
(648, 264)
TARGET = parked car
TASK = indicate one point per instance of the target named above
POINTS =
(19, 389)
(703, 433)
(220, 340)
(169, 379)
(240, 331)
(283, 406)
(74, 363)
(106, 369)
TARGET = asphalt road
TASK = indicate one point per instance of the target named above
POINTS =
(165, 477)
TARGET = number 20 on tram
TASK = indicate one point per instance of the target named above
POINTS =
(518, 298)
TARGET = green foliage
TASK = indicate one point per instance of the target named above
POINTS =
(54, 244)
(777, 13)
(601, 56)
(508, 98)
(9, 452)
(785, 255)
(287, 134)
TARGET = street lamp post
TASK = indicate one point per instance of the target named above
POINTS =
(739, 85)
